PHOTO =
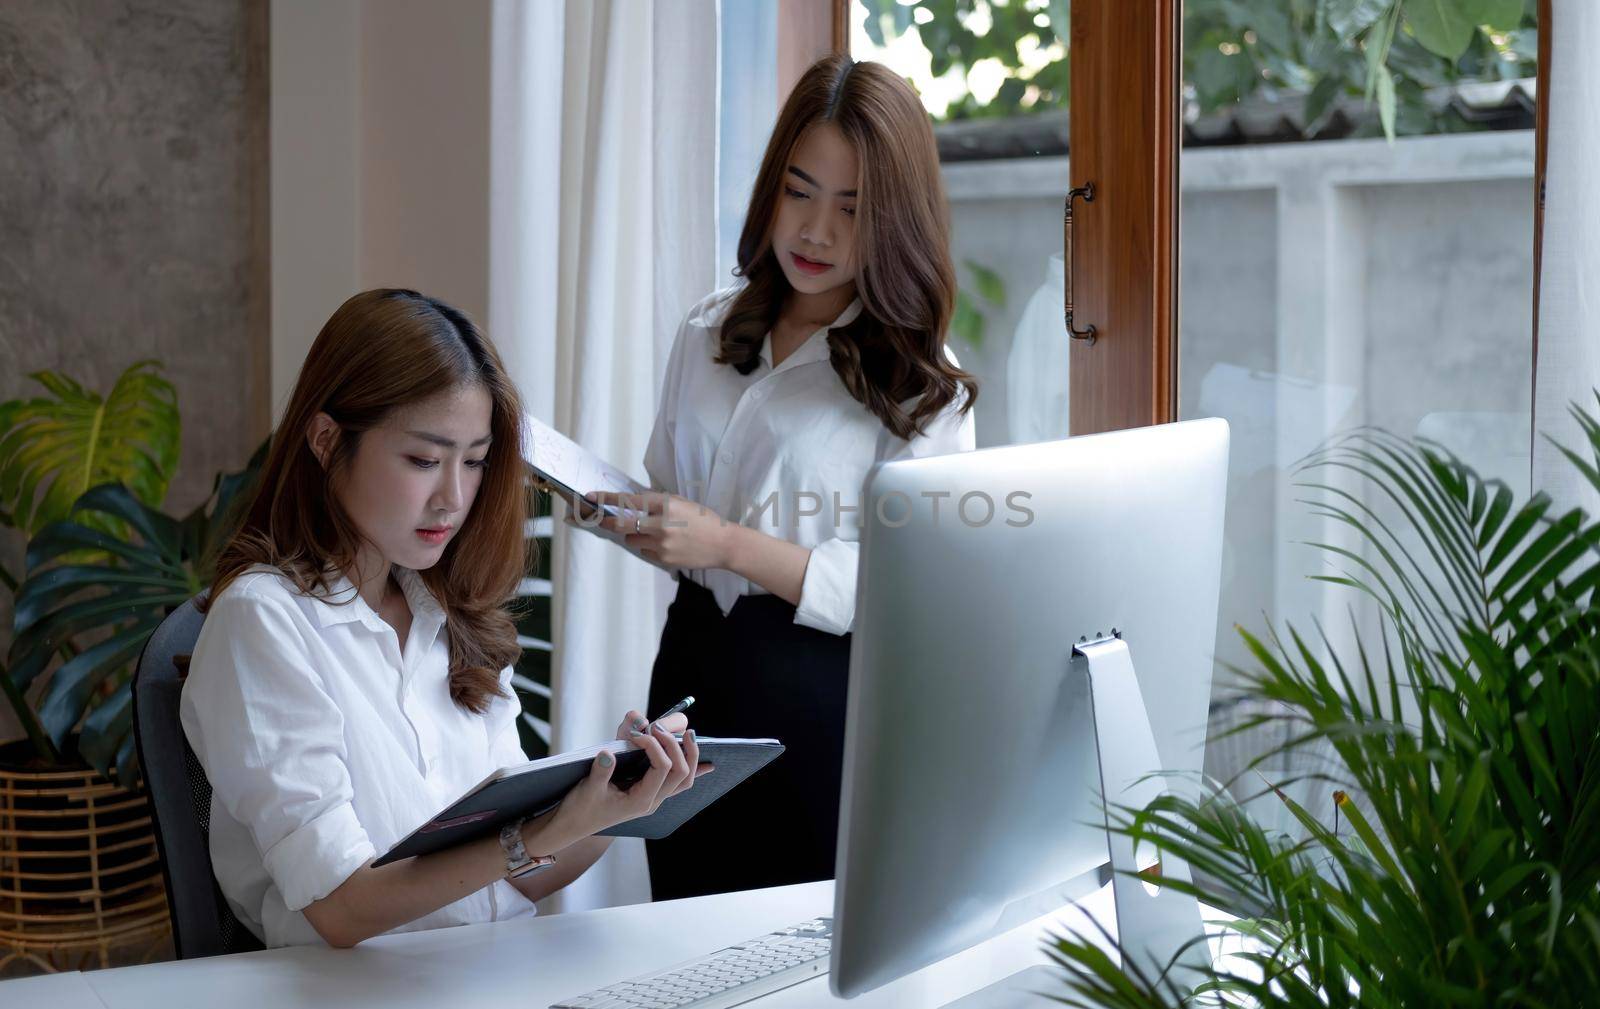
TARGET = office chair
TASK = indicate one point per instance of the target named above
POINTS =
(180, 795)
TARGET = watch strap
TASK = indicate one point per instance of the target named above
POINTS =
(518, 861)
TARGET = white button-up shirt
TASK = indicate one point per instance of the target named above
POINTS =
(783, 449)
(325, 744)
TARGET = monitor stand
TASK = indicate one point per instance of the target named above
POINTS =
(1154, 928)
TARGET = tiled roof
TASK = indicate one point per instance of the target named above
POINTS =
(1265, 118)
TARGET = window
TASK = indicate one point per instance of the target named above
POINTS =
(993, 76)
(1348, 261)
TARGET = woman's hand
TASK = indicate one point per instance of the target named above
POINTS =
(634, 723)
(596, 803)
(671, 530)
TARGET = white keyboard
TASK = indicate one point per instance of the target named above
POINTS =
(728, 977)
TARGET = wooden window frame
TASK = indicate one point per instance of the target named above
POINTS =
(1125, 133)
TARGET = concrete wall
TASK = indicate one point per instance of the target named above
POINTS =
(133, 152)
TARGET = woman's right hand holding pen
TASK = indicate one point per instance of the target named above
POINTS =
(596, 802)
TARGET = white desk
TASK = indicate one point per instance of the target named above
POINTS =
(531, 963)
(58, 991)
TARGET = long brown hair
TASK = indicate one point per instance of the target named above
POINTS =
(894, 350)
(383, 350)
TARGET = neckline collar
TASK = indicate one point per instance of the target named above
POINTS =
(342, 603)
(815, 347)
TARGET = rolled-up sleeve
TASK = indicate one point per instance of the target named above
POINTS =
(272, 743)
(828, 591)
(660, 455)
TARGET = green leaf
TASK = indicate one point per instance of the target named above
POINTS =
(1369, 837)
(1376, 46)
(967, 322)
(71, 685)
(52, 449)
(1349, 18)
(57, 583)
(872, 20)
(989, 285)
(64, 539)
(1444, 27)
(116, 501)
(105, 729)
(93, 584)
(1319, 101)
(128, 761)
(1500, 13)
(1060, 19)
(1386, 102)
(36, 646)
(1267, 20)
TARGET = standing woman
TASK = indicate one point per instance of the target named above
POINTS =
(780, 395)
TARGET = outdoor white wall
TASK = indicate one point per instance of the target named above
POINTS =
(1272, 242)
(380, 160)
(1334, 285)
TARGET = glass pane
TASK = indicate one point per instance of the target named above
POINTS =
(993, 75)
(1347, 260)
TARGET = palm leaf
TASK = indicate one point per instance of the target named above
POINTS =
(1463, 863)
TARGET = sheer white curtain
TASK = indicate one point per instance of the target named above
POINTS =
(602, 234)
(1567, 368)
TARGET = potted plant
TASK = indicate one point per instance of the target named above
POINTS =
(83, 477)
(1461, 747)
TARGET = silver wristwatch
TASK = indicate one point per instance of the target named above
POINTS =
(518, 861)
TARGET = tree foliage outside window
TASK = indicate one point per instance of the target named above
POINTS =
(997, 58)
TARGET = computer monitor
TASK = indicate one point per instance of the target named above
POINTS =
(972, 778)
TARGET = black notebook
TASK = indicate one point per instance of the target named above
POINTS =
(537, 786)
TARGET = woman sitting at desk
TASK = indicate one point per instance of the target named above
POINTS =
(781, 393)
(351, 678)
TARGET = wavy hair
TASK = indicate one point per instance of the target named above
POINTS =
(894, 350)
(381, 351)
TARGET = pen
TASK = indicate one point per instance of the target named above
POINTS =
(680, 706)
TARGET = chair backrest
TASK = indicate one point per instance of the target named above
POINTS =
(202, 922)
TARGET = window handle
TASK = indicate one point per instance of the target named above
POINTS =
(1085, 193)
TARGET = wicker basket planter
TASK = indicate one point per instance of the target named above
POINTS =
(80, 880)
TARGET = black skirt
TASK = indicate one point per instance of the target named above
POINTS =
(754, 673)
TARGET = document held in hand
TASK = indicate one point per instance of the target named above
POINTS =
(524, 790)
(572, 469)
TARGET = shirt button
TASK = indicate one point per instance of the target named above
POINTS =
(727, 457)
(758, 394)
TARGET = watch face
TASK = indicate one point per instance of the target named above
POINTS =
(533, 865)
